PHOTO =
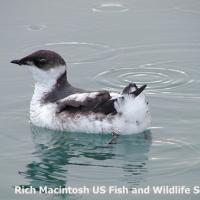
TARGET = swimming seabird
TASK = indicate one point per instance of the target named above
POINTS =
(57, 105)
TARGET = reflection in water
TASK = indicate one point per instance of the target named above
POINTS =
(57, 153)
(134, 150)
(49, 158)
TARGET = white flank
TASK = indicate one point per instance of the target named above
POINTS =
(134, 117)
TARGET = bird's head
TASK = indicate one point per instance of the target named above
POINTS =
(46, 66)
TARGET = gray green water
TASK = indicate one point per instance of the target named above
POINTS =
(107, 45)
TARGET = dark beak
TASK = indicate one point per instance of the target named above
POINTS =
(18, 62)
(139, 90)
(22, 61)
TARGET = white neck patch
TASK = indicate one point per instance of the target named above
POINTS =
(45, 80)
(49, 77)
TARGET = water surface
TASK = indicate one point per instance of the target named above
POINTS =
(107, 44)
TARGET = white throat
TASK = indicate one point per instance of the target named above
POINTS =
(45, 80)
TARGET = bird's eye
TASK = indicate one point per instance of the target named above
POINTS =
(42, 61)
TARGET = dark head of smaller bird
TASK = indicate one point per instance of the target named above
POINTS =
(42, 59)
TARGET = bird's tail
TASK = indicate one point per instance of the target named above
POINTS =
(133, 89)
(132, 109)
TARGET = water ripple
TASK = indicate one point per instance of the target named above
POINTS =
(174, 77)
(164, 165)
(35, 27)
(111, 7)
(77, 52)
(186, 7)
(157, 79)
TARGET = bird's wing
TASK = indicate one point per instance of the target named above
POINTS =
(98, 102)
(84, 102)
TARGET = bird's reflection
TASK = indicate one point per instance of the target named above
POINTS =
(57, 155)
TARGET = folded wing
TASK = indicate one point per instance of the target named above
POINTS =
(98, 102)
(85, 102)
